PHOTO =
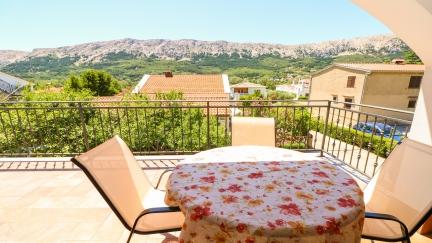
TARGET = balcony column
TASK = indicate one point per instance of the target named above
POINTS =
(411, 20)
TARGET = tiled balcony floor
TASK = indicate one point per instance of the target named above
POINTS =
(49, 205)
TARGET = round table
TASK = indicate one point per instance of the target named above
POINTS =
(263, 194)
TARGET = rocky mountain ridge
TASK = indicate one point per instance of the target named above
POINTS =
(187, 48)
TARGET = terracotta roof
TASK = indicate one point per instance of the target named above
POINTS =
(247, 85)
(381, 67)
(187, 84)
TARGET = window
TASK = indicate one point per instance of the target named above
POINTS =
(412, 102)
(351, 81)
(414, 82)
(241, 90)
(348, 100)
(334, 97)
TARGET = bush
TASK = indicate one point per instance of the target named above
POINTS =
(379, 146)
(99, 83)
(280, 95)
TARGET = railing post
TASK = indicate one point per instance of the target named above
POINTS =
(84, 129)
(325, 128)
(208, 124)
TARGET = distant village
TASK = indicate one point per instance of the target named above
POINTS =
(395, 85)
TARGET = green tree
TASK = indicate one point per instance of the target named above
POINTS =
(99, 83)
(411, 57)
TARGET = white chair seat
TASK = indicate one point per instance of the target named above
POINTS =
(382, 228)
(154, 199)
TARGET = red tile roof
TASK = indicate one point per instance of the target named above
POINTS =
(189, 85)
(195, 87)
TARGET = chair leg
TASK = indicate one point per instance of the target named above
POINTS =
(133, 229)
(130, 235)
(407, 240)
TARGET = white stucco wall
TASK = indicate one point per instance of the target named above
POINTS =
(411, 20)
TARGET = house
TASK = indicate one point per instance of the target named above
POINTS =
(301, 88)
(244, 88)
(194, 87)
(393, 86)
(10, 85)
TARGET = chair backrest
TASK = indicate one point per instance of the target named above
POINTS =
(253, 131)
(403, 185)
(113, 170)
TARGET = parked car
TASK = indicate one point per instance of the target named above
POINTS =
(380, 129)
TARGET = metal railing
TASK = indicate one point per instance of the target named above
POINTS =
(65, 128)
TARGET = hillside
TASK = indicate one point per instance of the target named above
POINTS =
(129, 59)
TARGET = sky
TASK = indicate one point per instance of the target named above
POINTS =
(28, 24)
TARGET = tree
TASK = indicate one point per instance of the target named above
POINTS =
(99, 83)
(411, 57)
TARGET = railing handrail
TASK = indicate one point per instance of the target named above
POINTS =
(205, 101)
(154, 101)
(375, 107)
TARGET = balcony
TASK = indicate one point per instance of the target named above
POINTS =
(43, 194)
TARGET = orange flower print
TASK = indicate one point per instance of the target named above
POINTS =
(303, 195)
(279, 222)
(298, 226)
(225, 171)
(255, 202)
(204, 188)
(250, 240)
(256, 175)
(270, 187)
(229, 199)
(347, 202)
(271, 225)
(287, 199)
(330, 208)
(184, 175)
(219, 237)
(349, 182)
(289, 209)
(234, 188)
(241, 228)
(320, 229)
(328, 183)
(200, 212)
(208, 179)
(321, 192)
(332, 226)
(320, 174)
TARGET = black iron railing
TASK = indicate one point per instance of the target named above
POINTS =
(39, 129)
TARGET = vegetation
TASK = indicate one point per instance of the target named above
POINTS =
(98, 83)
(268, 70)
(381, 147)
(412, 58)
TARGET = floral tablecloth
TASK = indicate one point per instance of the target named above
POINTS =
(267, 195)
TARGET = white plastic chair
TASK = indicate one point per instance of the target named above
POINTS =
(399, 197)
(253, 131)
(115, 173)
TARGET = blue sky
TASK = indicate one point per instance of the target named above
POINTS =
(28, 24)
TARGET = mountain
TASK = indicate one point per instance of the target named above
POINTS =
(185, 49)
(10, 56)
(129, 59)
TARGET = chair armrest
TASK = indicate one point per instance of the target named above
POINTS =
(389, 217)
(159, 210)
(151, 211)
(161, 176)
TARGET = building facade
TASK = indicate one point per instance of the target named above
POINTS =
(300, 88)
(394, 86)
(246, 88)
